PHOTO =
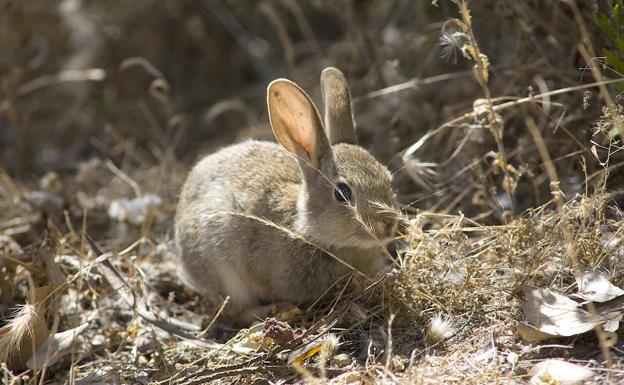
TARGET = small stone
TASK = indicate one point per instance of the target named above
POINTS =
(98, 340)
(504, 340)
(348, 379)
(341, 360)
(398, 363)
(512, 358)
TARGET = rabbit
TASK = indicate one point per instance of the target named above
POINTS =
(279, 223)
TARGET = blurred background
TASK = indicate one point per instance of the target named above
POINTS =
(148, 86)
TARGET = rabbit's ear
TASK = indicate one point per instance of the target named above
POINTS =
(296, 122)
(337, 102)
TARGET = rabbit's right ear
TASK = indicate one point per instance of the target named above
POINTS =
(296, 122)
(337, 102)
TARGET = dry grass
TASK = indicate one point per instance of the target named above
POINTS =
(508, 163)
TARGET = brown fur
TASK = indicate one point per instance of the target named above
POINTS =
(259, 222)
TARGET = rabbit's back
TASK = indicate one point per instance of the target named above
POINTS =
(252, 177)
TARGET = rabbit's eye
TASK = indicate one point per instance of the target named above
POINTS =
(342, 193)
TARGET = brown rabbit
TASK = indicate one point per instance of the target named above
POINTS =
(266, 223)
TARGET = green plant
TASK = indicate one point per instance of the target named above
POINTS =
(612, 25)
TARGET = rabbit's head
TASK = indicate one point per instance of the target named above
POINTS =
(346, 199)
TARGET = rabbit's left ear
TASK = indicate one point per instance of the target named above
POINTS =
(296, 122)
(337, 102)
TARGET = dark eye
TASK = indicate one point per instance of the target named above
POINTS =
(343, 192)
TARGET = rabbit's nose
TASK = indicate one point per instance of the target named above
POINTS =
(386, 227)
(389, 223)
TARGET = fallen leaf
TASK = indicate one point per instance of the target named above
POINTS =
(55, 347)
(555, 314)
(99, 376)
(250, 338)
(530, 333)
(614, 306)
(612, 311)
(559, 372)
(134, 211)
(594, 286)
(613, 325)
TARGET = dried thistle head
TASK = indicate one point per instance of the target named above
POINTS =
(453, 40)
(329, 344)
(439, 329)
(25, 329)
(324, 347)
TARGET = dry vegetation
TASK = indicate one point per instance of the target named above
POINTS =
(501, 121)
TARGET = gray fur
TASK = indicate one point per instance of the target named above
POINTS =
(337, 103)
(248, 214)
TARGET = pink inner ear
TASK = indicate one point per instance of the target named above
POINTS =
(294, 120)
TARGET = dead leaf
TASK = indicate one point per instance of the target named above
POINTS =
(250, 338)
(612, 325)
(559, 372)
(594, 286)
(612, 311)
(555, 314)
(594, 151)
(55, 347)
(551, 315)
(134, 211)
(98, 376)
(530, 333)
